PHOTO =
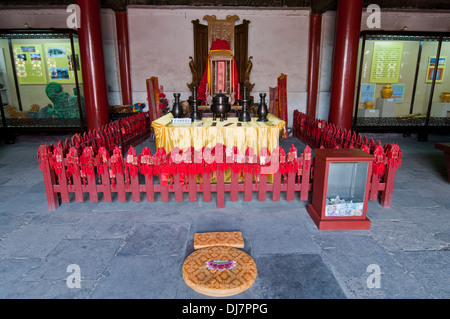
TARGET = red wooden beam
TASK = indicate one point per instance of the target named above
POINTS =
(315, 30)
(124, 56)
(92, 63)
(345, 59)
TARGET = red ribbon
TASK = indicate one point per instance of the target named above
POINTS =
(87, 163)
(56, 160)
(145, 161)
(116, 165)
(72, 163)
(394, 155)
(102, 160)
(43, 155)
(379, 163)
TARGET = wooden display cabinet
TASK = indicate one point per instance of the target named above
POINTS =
(341, 189)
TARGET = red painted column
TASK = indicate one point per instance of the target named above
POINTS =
(345, 59)
(93, 64)
(315, 30)
(124, 56)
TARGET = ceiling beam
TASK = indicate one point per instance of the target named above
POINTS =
(317, 6)
(321, 6)
(115, 5)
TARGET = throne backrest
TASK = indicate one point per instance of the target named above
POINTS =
(221, 29)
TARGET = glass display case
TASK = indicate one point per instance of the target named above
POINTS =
(346, 188)
(341, 189)
(41, 80)
(400, 86)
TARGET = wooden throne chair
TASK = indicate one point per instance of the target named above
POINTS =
(216, 67)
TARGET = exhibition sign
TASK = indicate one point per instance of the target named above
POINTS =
(60, 64)
(33, 63)
(29, 64)
(386, 61)
(440, 69)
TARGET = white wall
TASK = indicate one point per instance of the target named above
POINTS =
(161, 41)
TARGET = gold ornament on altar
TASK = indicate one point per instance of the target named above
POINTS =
(369, 105)
(445, 97)
(387, 91)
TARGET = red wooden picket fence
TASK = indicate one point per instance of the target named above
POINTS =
(319, 133)
(145, 176)
(93, 165)
(189, 171)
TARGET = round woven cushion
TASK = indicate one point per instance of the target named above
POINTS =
(200, 276)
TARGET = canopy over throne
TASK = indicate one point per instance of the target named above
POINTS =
(220, 57)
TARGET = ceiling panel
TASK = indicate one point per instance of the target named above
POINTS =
(318, 6)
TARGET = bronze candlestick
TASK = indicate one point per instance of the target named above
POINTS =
(244, 116)
(195, 114)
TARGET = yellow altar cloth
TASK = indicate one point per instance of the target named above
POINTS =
(208, 133)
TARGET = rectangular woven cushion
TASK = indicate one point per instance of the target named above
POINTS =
(230, 239)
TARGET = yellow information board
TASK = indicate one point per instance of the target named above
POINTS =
(386, 61)
(60, 66)
(29, 61)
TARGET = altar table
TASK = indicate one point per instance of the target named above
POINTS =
(208, 133)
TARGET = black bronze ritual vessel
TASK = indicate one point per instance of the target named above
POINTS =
(244, 116)
(195, 113)
(220, 106)
(177, 109)
(262, 109)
